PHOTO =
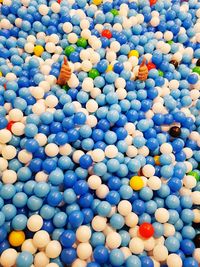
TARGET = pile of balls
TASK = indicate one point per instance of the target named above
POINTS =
(103, 170)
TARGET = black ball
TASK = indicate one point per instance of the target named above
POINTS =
(196, 241)
(175, 131)
(198, 62)
(174, 62)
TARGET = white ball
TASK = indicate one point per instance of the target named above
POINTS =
(37, 92)
(18, 128)
(51, 101)
(38, 108)
(102, 191)
(113, 240)
(136, 245)
(196, 255)
(169, 229)
(24, 156)
(41, 259)
(79, 263)
(189, 181)
(84, 55)
(8, 152)
(99, 223)
(87, 84)
(94, 182)
(111, 151)
(155, 21)
(86, 33)
(131, 219)
(98, 155)
(111, 56)
(83, 233)
(91, 121)
(162, 215)
(115, 46)
(149, 244)
(154, 183)
(124, 207)
(41, 138)
(9, 177)
(173, 84)
(5, 136)
(120, 83)
(196, 197)
(72, 38)
(84, 251)
(67, 27)
(160, 253)
(50, 47)
(84, 24)
(148, 170)
(3, 164)
(41, 177)
(41, 239)
(55, 7)
(166, 148)
(29, 246)
(51, 150)
(53, 249)
(54, 38)
(43, 9)
(34, 223)
(8, 257)
(86, 65)
(29, 48)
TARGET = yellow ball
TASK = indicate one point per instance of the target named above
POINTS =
(16, 238)
(0, 71)
(136, 183)
(97, 2)
(38, 50)
(109, 68)
(133, 53)
(157, 160)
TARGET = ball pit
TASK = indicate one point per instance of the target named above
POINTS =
(101, 166)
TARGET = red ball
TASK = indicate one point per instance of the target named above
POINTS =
(152, 2)
(9, 125)
(107, 34)
(146, 230)
(150, 66)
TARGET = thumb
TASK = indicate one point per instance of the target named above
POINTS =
(65, 61)
(143, 62)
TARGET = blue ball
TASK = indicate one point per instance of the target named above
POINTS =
(68, 255)
(24, 259)
(67, 238)
(101, 254)
(76, 218)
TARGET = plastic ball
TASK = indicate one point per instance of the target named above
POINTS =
(16, 238)
(146, 230)
(38, 50)
(136, 183)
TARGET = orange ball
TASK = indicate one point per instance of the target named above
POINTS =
(16, 238)
(157, 160)
(152, 2)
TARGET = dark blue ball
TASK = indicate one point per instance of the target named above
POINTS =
(76, 218)
(101, 254)
(68, 255)
(85, 161)
(81, 187)
(67, 238)
(54, 198)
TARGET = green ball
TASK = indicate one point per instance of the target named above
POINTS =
(195, 174)
(82, 42)
(93, 73)
(115, 12)
(170, 42)
(69, 50)
(65, 87)
(196, 69)
(160, 72)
